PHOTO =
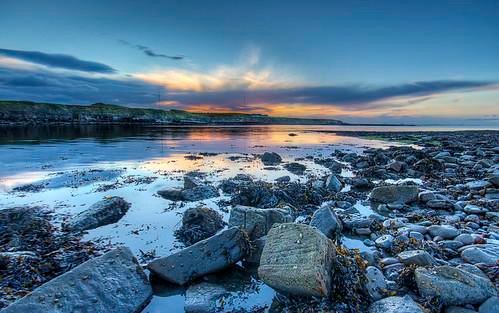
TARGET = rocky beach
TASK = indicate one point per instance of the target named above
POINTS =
(395, 221)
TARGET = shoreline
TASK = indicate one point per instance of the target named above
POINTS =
(442, 215)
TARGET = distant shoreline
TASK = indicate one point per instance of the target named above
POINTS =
(32, 113)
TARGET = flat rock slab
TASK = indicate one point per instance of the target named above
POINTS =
(453, 286)
(207, 256)
(102, 213)
(395, 305)
(257, 222)
(395, 194)
(113, 282)
(297, 259)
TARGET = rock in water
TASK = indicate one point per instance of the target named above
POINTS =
(203, 298)
(171, 194)
(113, 282)
(453, 286)
(199, 223)
(395, 305)
(395, 194)
(297, 259)
(295, 168)
(333, 183)
(257, 222)
(102, 213)
(327, 222)
(201, 192)
(270, 158)
(207, 256)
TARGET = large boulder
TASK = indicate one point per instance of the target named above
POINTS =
(257, 222)
(395, 194)
(204, 257)
(270, 158)
(102, 213)
(395, 305)
(113, 282)
(297, 259)
(327, 222)
(453, 286)
(199, 223)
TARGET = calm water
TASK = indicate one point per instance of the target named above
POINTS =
(83, 165)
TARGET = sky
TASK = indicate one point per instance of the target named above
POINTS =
(424, 62)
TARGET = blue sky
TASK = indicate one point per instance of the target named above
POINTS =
(280, 58)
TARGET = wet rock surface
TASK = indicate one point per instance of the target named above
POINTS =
(93, 285)
(411, 229)
(257, 222)
(207, 256)
(453, 286)
(34, 251)
(297, 260)
(104, 212)
(199, 223)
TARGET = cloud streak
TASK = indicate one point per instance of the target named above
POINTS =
(239, 88)
(58, 61)
(150, 53)
(48, 86)
(344, 96)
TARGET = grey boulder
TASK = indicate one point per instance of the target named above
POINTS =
(204, 257)
(395, 305)
(395, 194)
(113, 282)
(453, 286)
(444, 231)
(415, 257)
(486, 253)
(297, 259)
(327, 222)
(376, 284)
(333, 183)
(102, 213)
(257, 222)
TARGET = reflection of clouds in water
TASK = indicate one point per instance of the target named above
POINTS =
(9, 182)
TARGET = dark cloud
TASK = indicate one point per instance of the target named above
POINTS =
(46, 86)
(149, 52)
(347, 96)
(58, 60)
